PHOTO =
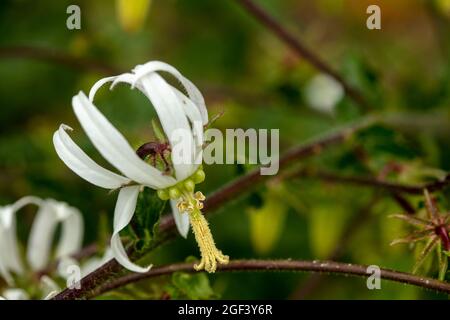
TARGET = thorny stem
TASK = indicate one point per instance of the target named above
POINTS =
(299, 48)
(280, 265)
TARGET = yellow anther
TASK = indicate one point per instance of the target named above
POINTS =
(198, 204)
(185, 206)
(199, 196)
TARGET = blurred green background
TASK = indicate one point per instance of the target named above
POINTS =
(242, 69)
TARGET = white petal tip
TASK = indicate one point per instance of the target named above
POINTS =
(66, 127)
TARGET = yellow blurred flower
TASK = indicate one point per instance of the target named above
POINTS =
(132, 14)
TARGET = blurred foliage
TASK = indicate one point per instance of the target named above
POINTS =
(190, 286)
(267, 220)
(403, 70)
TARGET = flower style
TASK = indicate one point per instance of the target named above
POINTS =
(435, 229)
(172, 167)
(49, 215)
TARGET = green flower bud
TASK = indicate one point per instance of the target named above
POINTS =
(174, 193)
(189, 185)
(199, 176)
(163, 194)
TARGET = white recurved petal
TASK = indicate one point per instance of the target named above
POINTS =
(15, 294)
(192, 91)
(124, 77)
(82, 164)
(5, 255)
(98, 85)
(41, 236)
(22, 202)
(72, 231)
(50, 214)
(114, 147)
(193, 115)
(196, 126)
(181, 219)
(9, 251)
(190, 109)
(172, 118)
(123, 213)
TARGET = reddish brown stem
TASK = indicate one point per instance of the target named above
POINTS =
(280, 265)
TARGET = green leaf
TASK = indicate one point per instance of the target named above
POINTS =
(148, 213)
(192, 286)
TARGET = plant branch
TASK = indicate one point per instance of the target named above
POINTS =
(55, 56)
(373, 182)
(300, 49)
(280, 265)
(231, 191)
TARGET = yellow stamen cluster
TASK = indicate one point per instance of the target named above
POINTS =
(191, 203)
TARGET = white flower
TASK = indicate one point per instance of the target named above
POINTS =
(48, 287)
(9, 252)
(14, 294)
(323, 93)
(50, 214)
(182, 118)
